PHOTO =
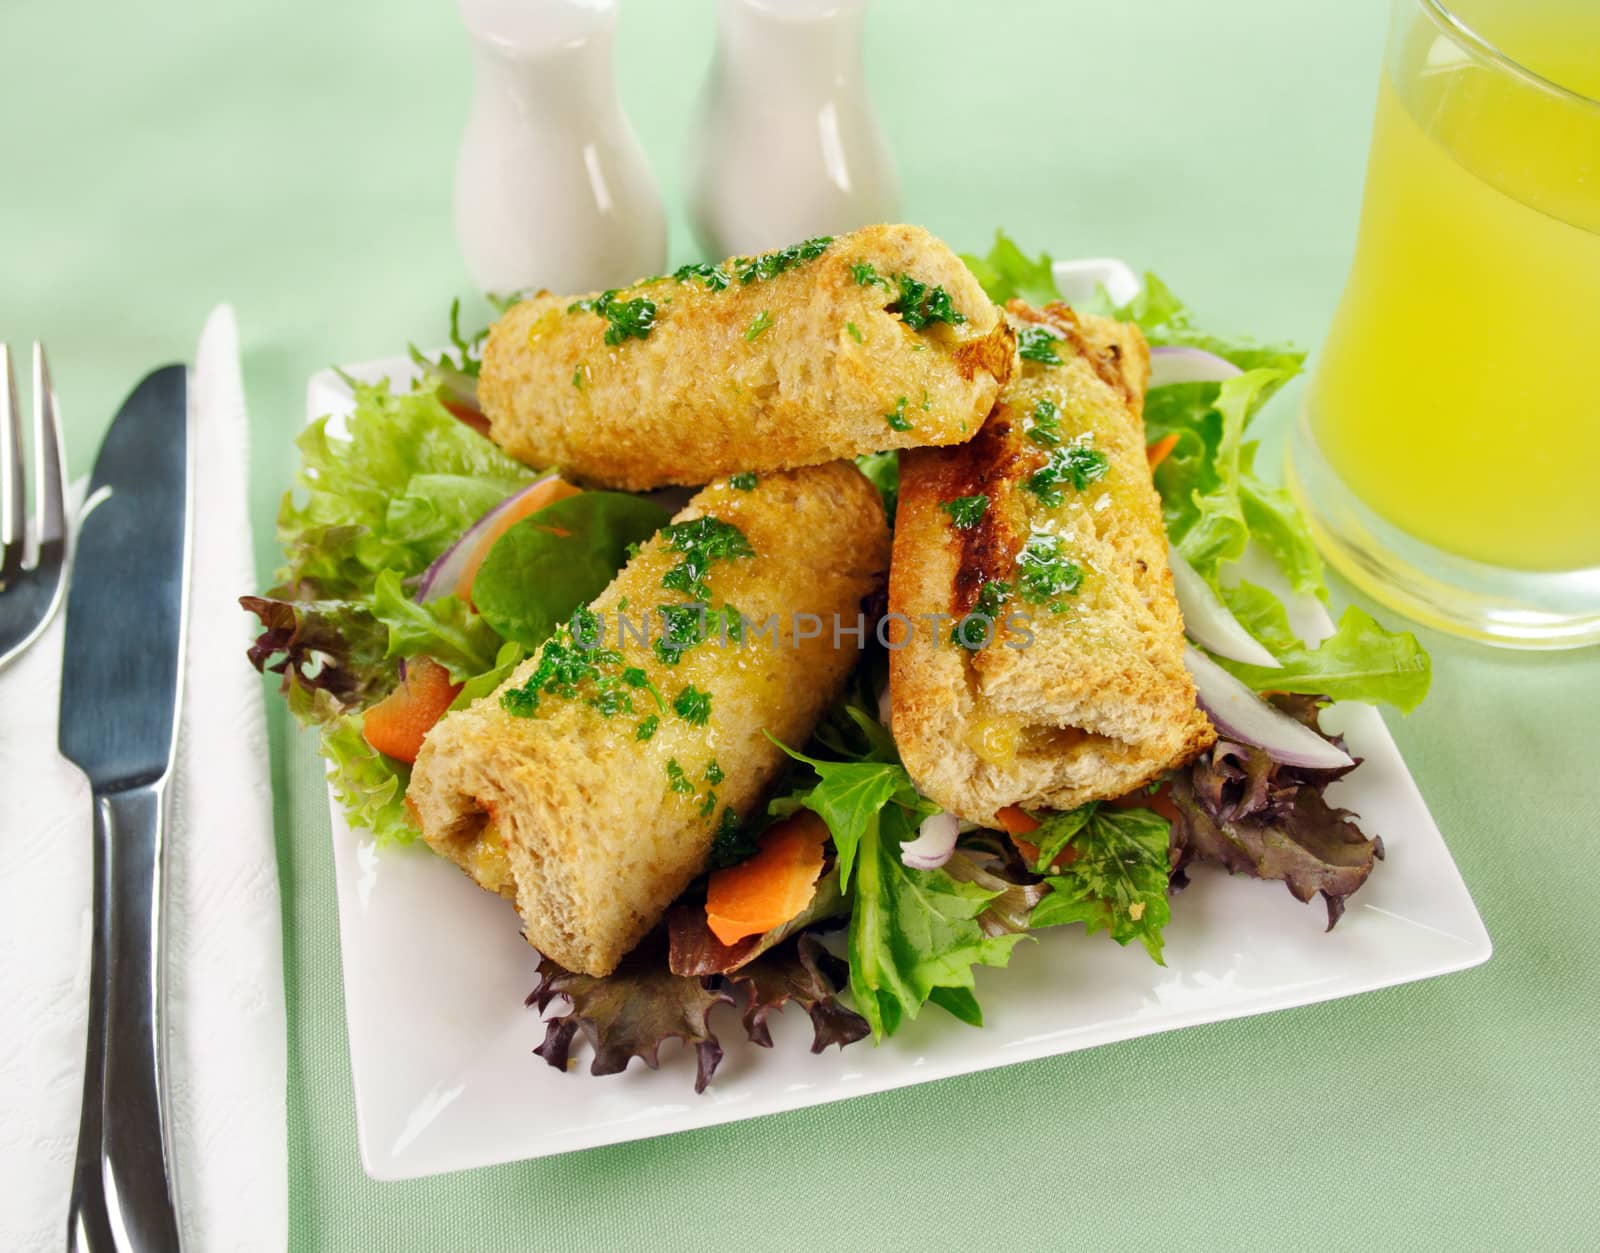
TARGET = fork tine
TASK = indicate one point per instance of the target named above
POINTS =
(50, 475)
(13, 488)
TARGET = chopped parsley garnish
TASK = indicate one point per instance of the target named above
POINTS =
(714, 773)
(684, 626)
(991, 597)
(647, 728)
(1044, 424)
(634, 676)
(920, 306)
(732, 844)
(693, 705)
(611, 700)
(1035, 343)
(771, 264)
(570, 657)
(701, 542)
(577, 378)
(897, 420)
(854, 330)
(726, 622)
(758, 324)
(744, 481)
(1045, 573)
(866, 275)
(977, 628)
(714, 277)
(1078, 465)
(708, 804)
(966, 511)
(680, 631)
(677, 780)
(625, 319)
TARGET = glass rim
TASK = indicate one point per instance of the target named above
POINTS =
(1454, 25)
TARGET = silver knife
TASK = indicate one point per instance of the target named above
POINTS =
(121, 682)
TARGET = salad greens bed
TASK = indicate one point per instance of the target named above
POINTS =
(384, 493)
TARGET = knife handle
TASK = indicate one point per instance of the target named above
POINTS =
(122, 1195)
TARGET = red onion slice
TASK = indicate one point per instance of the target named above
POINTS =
(1239, 714)
(1173, 364)
(444, 575)
(936, 840)
(1209, 622)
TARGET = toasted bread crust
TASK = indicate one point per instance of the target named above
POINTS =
(700, 396)
(1088, 698)
(595, 840)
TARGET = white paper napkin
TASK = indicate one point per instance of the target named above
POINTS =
(225, 1010)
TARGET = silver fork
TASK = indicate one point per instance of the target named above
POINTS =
(30, 591)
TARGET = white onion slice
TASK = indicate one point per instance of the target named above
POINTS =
(461, 388)
(936, 840)
(1173, 364)
(1209, 622)
(1239, 714)
(444, 575)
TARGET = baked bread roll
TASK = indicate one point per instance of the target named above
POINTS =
(1080, 693)
(593, 783)
(873, 340)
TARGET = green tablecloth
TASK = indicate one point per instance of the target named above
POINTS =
(296, 159)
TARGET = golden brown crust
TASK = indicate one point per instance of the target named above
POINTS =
(597, 842)
(1088, 698)
(697, 398)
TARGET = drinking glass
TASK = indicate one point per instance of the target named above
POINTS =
(1448, 456)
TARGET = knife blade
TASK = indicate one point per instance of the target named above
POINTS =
(121, 687)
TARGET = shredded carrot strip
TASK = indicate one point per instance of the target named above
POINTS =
(1157, 452)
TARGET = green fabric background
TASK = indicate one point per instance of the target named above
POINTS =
(296, 159)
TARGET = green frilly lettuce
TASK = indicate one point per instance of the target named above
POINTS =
(387, 489)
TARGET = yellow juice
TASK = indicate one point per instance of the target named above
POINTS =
(1458, 394)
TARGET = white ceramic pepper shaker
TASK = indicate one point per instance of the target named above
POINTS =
(552, 189)
(786, 144)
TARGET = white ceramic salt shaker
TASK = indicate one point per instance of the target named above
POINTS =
(552, 189)
(786, 144)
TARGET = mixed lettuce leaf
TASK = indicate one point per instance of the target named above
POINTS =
(1242, 810)
(379, 496)
(1108, 869)
(387, 489)
(1359, 661)
(914, 934)
(633, 1011)
(1008, 273)
(371, 788)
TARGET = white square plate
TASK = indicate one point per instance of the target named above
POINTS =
(431, 960)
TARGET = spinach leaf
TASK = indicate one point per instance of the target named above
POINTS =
(559, 559)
